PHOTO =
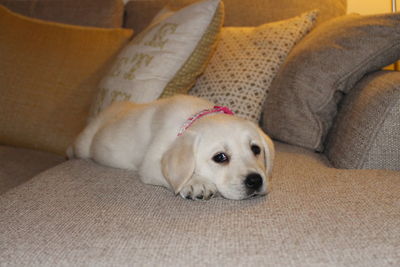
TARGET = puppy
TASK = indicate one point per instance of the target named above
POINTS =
(183, 143)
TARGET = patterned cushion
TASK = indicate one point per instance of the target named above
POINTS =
(166, 58)
(247, 59)
(324, 65)
(366, 131)
(48, 78)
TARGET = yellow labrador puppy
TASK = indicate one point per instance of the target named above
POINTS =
(183, 143)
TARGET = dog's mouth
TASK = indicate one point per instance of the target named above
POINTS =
(253, 195)
(256, 195)
(241, 193)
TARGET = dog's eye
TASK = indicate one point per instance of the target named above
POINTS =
(256, 149)
(220, 158)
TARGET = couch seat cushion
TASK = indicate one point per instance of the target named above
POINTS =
(18, 165)
(80, 213)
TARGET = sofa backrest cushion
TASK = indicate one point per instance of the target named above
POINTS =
(239, 12)
(48, 78)
(326, 64)
(98, 13)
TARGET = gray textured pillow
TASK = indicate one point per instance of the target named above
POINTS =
(366, 132)
(328, 62)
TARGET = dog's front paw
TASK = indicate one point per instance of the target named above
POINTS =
(198, 190)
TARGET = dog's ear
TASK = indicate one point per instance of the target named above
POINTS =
(178, 163)
(269, 149)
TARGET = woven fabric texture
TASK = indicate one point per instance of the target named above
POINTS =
(327, 63)
(18, 165)
(238, 12)
(366, 131)
(99, 13)
(246, 61)
(82, 214)
(47, 84)
(169, 54)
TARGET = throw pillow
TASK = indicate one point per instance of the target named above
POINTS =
(327, 63)
(48, 78)
(166, 58)
(247, 59)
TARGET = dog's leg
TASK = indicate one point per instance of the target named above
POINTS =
(197, 188)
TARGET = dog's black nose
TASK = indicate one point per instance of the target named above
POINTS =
(253, 181)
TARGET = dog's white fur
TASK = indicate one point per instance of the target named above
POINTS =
(143, 138)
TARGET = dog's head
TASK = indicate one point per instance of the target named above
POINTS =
(232, 153)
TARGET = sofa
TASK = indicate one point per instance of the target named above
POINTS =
(332, 203)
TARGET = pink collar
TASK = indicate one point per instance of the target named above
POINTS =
(205, 112)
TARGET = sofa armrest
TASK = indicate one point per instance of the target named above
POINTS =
(365, 134)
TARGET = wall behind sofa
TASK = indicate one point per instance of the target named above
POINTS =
(369, 6)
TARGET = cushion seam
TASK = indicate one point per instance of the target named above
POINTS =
(375, 134)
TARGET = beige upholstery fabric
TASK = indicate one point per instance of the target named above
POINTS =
(99, 13)
(96, 216)
(238, 12)
(366, 132)
(328, 62)
(18, 165)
